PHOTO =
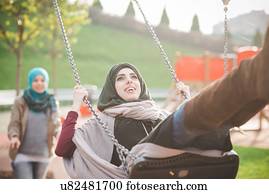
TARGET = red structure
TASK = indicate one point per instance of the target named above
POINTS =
(84, 111)
(205, 68)
(208, 68)
(246, 53)
(190, 68)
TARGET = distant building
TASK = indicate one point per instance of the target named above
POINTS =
(245, 24)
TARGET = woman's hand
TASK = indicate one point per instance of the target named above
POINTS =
(177, 94)
(15, 143)
(78, 94)
(182, 91)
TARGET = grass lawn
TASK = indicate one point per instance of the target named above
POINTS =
(254, 163)
(97, 48)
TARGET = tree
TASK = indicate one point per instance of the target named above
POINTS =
(97, 4)
(195, 27)
(130, 11)
(74, 16)
(22, 21)
(257, 39)
(165, 19)
(18, 27)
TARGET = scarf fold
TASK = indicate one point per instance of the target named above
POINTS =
(93, 153)
(39, 102)
(144, 110)
(94, 148)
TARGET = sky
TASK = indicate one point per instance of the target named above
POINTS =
(181, 12)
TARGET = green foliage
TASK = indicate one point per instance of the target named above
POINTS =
(97, 4)
(33, 23)
(257, 39)
(18, 23)
(165, 19)
(195, 27)
(74, 15)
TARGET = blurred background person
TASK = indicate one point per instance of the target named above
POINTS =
(33, 127)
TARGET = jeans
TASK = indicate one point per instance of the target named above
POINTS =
(30, 170)
(182, 137)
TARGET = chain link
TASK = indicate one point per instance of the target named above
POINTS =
(66, 43)
(122, 151)
(226, 34)
(162, 51)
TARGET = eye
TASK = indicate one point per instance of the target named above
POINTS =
(134, 77)
(119, 78)
(39, 80)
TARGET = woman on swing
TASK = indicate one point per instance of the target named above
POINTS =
(200, 123)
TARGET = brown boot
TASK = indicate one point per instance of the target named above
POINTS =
(266, 42)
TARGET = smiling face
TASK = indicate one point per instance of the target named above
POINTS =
(39, 85)
(127, 85)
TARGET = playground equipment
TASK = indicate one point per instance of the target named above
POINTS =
(166, 167)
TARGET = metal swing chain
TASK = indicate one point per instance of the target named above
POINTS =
(225, 51)
(225, 57)
(120, 149)
(162, 51)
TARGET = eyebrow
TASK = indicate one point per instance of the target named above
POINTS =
(41, 78)
(122, 74)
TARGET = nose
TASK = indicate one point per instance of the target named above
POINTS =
(129, 80)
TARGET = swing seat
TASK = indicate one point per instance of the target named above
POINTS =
(186, 166)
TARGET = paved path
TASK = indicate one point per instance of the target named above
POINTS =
(252, 136)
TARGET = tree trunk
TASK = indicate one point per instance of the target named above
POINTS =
(54, 53)
(54, 72)
(18, 69)
(19, 52)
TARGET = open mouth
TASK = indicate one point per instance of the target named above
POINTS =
(130, 90)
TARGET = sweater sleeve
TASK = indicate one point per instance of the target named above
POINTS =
(65, 146)
(14, 126)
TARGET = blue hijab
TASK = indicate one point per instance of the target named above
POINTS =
(38, 102)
